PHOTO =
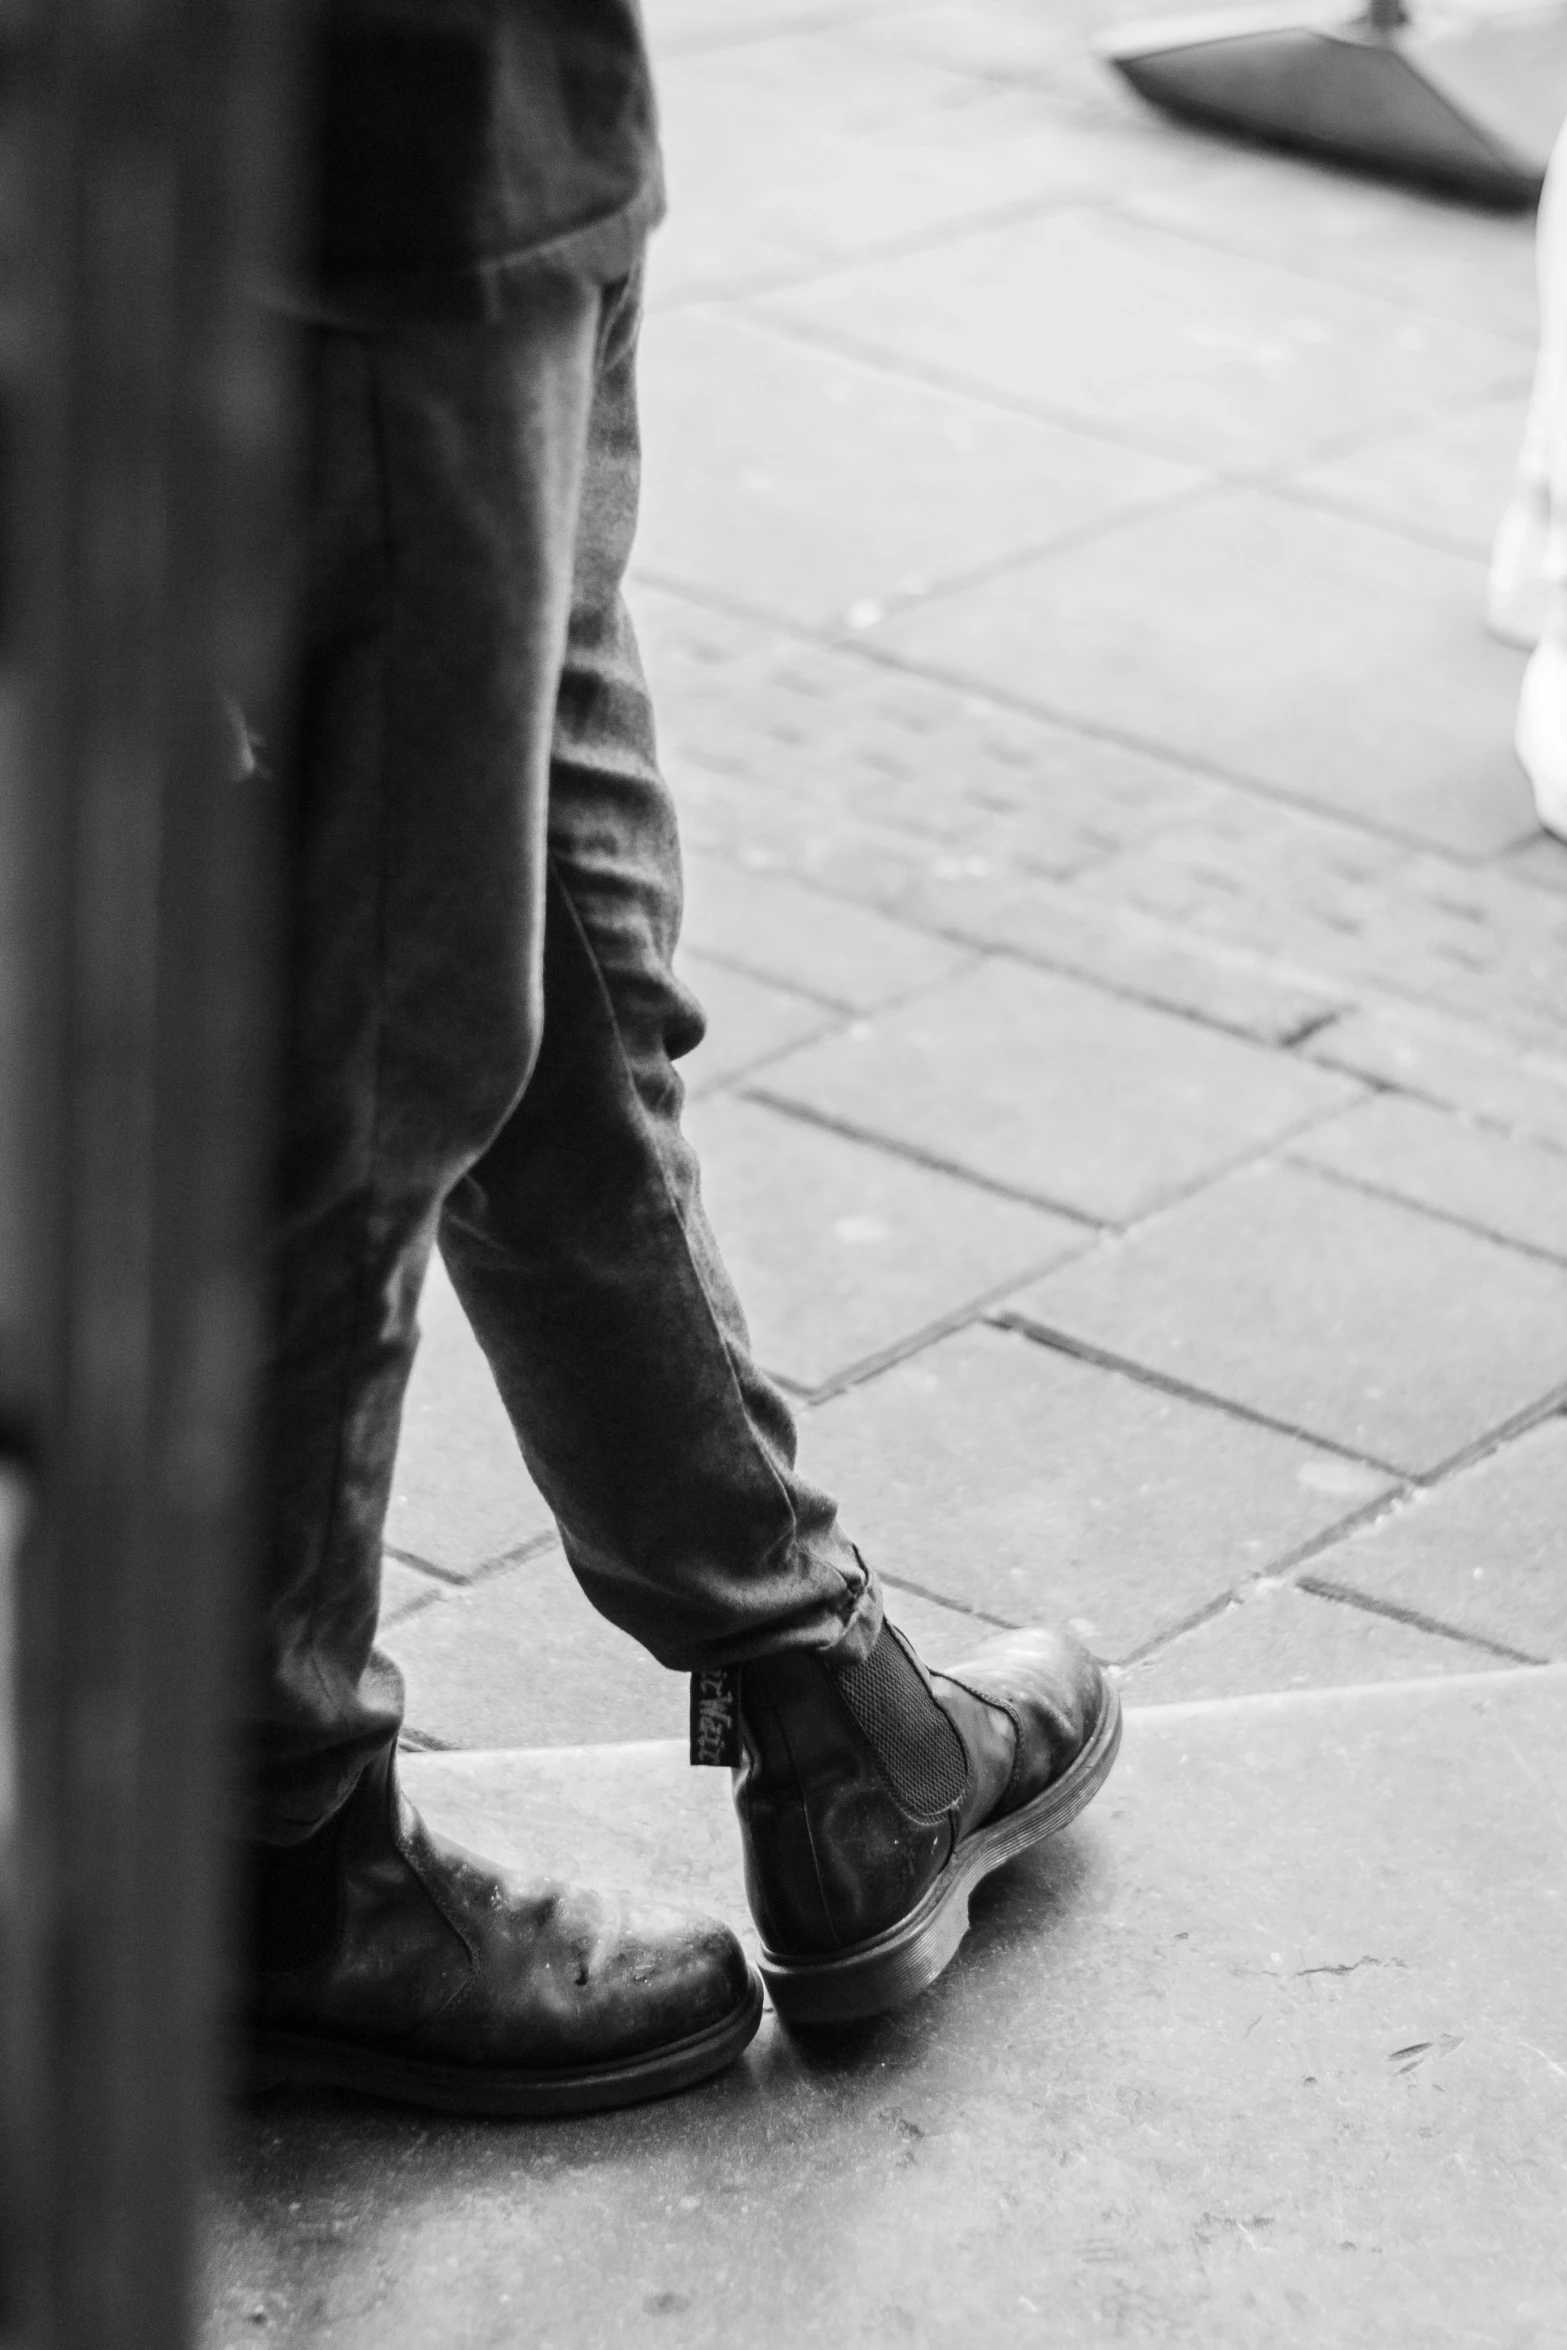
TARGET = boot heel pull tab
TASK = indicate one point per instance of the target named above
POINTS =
(715, 1716)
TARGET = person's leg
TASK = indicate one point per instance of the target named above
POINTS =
(578, 1243)
(871, 1793)
(446, 480)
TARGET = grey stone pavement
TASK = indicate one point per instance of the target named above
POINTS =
(1135, 1112)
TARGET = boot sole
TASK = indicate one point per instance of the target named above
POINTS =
(279, 2060)
(894, 1967)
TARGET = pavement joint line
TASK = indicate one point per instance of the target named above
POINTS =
(1342, 507)
(1549, 1406)
(956, 1607)
(1348, 997)
(815, 268)
(974, 1312)
(919, 1157)
(531, 1547)
(1125, 208)
(1428, 1687)
(1324, 1587)
(452, 1579)
(424, 1566)
(957, 682)
(1263, 474)
(1171, 1635)
(1373, 1190)
(888, 361)
(1065, 542)
(714, 1089)
(1200, 951)
(1219, 955)
(420, 1742)
(808, 995)
(1283, 1569)
(1516, 1065)
(1354, 439)
(411, 1609)
(1168, 1383)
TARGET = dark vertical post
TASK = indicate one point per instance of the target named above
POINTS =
(147, 495)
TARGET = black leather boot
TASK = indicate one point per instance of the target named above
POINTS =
(874, 1797)
(388, 1960)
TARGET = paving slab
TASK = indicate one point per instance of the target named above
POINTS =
(1213, 628)
(849, 957)
(460, 1493)
(405, 1589)
(1035, 1082)
(1276, 1636)
(1120, 947)
(1007, 1477)
(1206, 357)
(1447, 479)
(1444, 1162)
(1349, 1317)
(749, 1021)
(1484, 1554)
(1455, 1061)
(779, 746)
(519, 1657)
(812, 144)
(811, 486)
(1372, 916)
(1423, 252)
(840, 1250)
(1268, 2047)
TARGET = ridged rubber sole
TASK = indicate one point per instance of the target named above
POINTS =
(896, 1966)
(285, 2059)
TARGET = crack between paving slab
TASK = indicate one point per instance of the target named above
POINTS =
(957, 1607)
(920, 1157)
(1406, 1089)
(1533, 1415)
(1214, 956)
(421, 1742)
(1358, 1521)
(1042, 1334)
(799, 273)
(1449, 1216)
(1065, 543)
(1324, 1587)
(973, 1313)
(836, 1005)
(1351, 998)
(451, 1579)
(1124, 208)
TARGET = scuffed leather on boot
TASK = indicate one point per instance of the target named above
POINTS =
(832, 1855)
(1047, 1686)
(404, 1944)
(838, 1848)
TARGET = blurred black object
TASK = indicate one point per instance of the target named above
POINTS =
(1471, 104)
(144, 154)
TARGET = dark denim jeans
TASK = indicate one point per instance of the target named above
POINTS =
(482, 1029)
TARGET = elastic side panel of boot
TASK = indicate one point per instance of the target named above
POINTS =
(917, 1746)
